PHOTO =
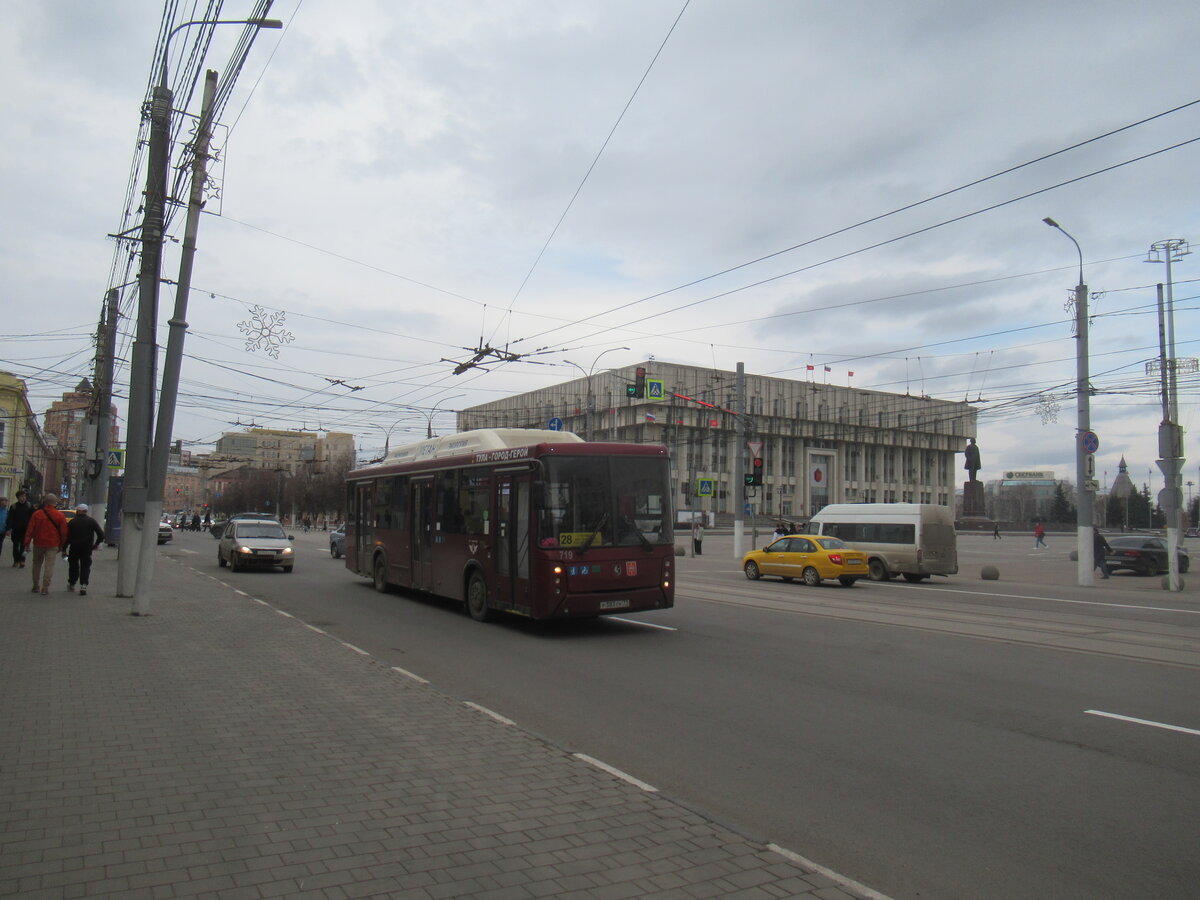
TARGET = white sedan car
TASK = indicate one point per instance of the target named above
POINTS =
(248, 543)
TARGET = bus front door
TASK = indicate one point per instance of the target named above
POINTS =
(422, 534)
(512, 541)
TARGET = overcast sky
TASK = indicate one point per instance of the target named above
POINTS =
(391, 171)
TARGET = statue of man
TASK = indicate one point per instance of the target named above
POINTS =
(972, 464)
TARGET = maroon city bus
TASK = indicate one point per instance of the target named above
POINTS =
(538, 523)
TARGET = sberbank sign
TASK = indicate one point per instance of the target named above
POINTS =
(1028, 476)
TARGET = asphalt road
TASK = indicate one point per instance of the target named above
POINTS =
(941, 740)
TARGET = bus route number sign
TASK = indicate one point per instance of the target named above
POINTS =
(577, 538)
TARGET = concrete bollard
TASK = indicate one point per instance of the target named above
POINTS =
(990, 573)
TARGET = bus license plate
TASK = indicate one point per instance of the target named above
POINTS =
(614, 604)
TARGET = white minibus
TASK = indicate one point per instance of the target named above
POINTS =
(915, 540)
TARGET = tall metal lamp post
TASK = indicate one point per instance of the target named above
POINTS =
(144, 472)
(587, 374)
(429, 415)
(1084, 461)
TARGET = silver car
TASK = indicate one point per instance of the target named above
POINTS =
(247, 543)
(337, 542)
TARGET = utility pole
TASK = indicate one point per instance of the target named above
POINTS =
(1170, 434)
(144, 354)
(173, 361)
(99, 427)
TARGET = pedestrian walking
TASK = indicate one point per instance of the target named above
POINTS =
(84, 535)
(1039, 537)
(697, 537)
(47, 533)
(1100, 548)
(996, 532)
(18, 522)
(3, 522)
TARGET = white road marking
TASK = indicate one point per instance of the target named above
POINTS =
(504, 720)
(282, 613)
(1108, 715)
(617, 773)
(849, 883)
(1194, 612)
(408, 674)
(314, 628)
(643, 624)
(355, 649)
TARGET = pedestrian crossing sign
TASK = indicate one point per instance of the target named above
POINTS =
(704, 487)
(655, 389)
(116, 459)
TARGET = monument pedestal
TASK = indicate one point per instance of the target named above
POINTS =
(973, 501)
(974, 509)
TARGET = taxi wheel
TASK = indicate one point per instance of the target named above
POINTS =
(751, 570)
(812, 577)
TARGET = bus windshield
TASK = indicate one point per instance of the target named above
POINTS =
(605, 502)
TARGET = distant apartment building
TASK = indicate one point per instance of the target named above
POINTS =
(67, 421)
(290, 451)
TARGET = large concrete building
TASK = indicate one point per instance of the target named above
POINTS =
(821, 443)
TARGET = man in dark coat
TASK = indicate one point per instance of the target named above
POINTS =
(18, 521)
(1100, 547)
(84, 535)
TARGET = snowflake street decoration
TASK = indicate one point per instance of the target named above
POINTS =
(1048, 409)
(266, 332)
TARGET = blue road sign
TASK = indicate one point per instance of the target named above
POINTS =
(1091, 442)
(556, 424)
(704, 487)
(655, 388)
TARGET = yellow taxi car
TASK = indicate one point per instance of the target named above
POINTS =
(809, 557)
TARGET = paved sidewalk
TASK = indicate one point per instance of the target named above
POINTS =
(220, 748)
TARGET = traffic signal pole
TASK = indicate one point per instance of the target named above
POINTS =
(739, 491)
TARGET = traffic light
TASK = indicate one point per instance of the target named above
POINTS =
(754, 477)
(639, 383)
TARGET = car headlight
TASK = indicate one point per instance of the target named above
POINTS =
(287, 551)
(244, 550)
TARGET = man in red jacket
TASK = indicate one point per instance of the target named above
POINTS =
(47, 533)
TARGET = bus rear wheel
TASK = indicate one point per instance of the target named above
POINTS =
(877, 570)
(477, 605)
(379, 575)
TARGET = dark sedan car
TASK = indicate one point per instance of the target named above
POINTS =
(1141, 553)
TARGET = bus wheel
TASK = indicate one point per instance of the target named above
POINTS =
(477, 605)
(877, 570)
(914, 577)
(379, 575)
(751, 571)
(847, 580)
(811, 577)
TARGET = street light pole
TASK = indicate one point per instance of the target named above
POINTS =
(429, 415)
(1084, 519)
(587, 415)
